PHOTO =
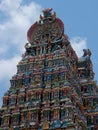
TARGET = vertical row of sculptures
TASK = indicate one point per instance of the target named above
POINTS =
(53, 88)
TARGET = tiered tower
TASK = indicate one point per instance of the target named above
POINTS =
(53, 88)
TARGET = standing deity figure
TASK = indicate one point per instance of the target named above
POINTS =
(87, 52)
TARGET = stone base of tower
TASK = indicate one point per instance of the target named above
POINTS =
(69, 128)
(27, 129)
(48, 129)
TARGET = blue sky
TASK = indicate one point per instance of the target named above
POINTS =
(16, 16)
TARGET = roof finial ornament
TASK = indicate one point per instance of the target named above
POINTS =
(47, 15)
(47, 12)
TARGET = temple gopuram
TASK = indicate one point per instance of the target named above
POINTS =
(53, 89)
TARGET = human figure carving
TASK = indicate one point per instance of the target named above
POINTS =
(87, 52)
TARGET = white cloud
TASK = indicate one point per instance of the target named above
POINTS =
(8, 5)
(8, 67)
(20, 18)
(78, 45)
(3, 49)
